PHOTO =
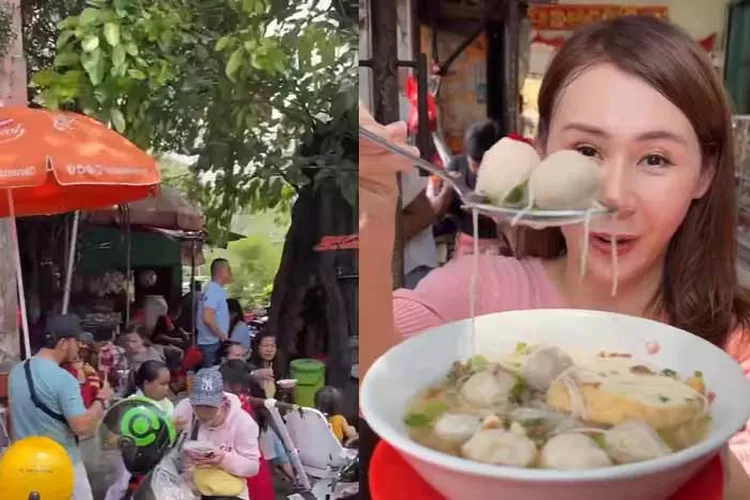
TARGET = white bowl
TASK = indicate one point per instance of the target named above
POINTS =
(415, 363)
(287, 383)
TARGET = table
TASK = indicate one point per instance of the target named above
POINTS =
(391, 478)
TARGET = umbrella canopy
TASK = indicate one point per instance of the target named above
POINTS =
(58, 162)
(167, 210)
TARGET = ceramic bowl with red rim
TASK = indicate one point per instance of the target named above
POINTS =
(397, 376)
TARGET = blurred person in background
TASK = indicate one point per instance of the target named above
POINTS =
(479, 138)
(418, 215)
(239, 331)
(213, 312)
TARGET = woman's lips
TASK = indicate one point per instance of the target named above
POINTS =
(602, 243)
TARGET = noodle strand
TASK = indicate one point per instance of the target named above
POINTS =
(585, 252)
(474, 282)
(615, 270)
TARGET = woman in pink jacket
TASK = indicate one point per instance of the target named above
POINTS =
(214, 416)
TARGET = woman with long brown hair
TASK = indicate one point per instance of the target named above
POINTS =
(640, 97)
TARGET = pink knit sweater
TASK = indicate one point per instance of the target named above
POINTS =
(506, 284)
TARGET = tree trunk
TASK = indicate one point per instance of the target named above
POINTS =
(12, 92)
(318, 212)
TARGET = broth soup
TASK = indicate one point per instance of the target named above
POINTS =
(537, 407)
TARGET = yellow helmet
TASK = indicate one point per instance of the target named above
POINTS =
(36, 465)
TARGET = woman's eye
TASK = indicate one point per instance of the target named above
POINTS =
(655, 160)
(587, 151)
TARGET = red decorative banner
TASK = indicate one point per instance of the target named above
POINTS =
(569, 17)
(557, 41)
(331, 243)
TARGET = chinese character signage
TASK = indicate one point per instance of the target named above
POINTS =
(569, 17)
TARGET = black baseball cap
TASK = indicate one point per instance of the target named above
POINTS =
(63, 326)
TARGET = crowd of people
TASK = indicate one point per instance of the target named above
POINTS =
(64, 390)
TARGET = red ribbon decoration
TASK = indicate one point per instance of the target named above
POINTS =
(411, 95)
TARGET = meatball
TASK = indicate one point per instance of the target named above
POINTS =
(544, 365)
(566, 180)
(634, 441)
(488, 389)
(456, 428)
(500, 447)
(573, 452)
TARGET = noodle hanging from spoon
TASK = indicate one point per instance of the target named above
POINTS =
(474, 278)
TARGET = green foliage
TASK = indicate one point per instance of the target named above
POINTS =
(7, 29)
(239, 86)
(255, 260)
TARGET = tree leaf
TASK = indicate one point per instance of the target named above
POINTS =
(137, 74)
(90, 17)
(132, 49)
(64, 37)
(69, 22)
(94, 66)
(234, 63)
(118, 56)
(121, 4)
(118, 120)
(90, 43)
(112, 34)
(223, 43)
(253, 6)
(45, 78)
(67, 59)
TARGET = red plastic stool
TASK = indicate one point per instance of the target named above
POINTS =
(391, 478)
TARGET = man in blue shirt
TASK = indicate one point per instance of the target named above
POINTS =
(213, 312)
(45, 399)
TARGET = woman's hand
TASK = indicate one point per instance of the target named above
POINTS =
(214, 458)
(738, 485)
(378, 196)
(105, 393)
(378, 188)
(180, 423)
(263, 375)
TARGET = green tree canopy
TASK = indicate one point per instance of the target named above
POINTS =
(238, 86)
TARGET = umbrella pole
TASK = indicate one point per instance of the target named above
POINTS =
(128, 250)
(19, 276)
(71, 262)
(194, 299)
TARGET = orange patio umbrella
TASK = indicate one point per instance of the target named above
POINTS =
(54, 162)
(57, 162)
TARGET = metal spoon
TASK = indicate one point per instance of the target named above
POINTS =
(471, 200)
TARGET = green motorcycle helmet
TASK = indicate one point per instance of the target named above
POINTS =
(140, 430)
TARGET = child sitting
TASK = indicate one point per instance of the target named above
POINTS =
(85, 373)
(113, 363)
(329, 401)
